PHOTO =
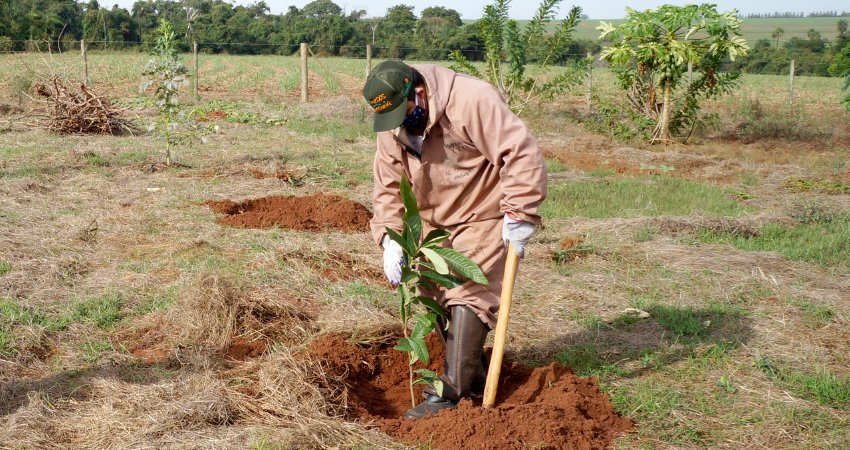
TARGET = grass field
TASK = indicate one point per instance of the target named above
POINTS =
(752, 29)
(705, 285)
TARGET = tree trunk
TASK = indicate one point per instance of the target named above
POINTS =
(662, 132)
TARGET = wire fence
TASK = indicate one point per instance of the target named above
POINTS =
(314, 52)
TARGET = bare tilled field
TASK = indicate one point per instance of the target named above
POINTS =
(682, 296)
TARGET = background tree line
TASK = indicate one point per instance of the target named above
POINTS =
(791, 14)
(221, 27)
(812, 54)
(50, 25)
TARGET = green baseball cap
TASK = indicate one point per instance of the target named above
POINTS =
(386, 91)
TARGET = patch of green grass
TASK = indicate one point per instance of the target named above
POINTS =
(96, 160)
(90, 351)
(337, 128)
(7, 347)
(808, 184)
(132, 157)
(750, 179)
(587, 319)
(601, 172)
(833, 431)
(815, 315)
(715, 354)
(564, 256)
(5, 267)
(555, 166)
(646, 233)
(625, 321)
(690, 324)
(585, 361)
(22, 172)
(827, 244)
(102, 312)
(157, 302)
(648, 401)
(13, 315)
(820, 386)
(634, 197)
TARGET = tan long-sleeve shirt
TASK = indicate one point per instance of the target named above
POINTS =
(478, 160)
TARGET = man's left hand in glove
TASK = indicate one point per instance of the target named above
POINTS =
(517, 232)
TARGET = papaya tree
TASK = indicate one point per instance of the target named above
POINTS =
(508, 51)
(650, 53)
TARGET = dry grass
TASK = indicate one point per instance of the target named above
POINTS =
(85, 216)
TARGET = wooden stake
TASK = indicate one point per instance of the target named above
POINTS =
(85, 62)
(495, 369)
(589, 95)
(197, 70)
(368, 59)
(791, 84)
(304, 72)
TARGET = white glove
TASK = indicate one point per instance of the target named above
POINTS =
(393, 259)
(517, 232)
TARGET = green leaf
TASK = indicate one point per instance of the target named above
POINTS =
(404, 304)
(434, 237)
(425, 323)
(411, 209)
(432, 305)
(420, 351)
(430, 377)
(462, 265)
(446, 281)
(411, 238)
(439, 263)
(409, 276)
(404, 345)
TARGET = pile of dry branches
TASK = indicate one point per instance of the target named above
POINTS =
(80, 112)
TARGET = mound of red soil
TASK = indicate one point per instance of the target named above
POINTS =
(545, 407)
(313, 213)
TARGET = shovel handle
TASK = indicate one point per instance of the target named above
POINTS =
(493, 372)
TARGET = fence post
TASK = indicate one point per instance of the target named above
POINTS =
(303, 72)
(690, 73)
(588, 98)
(791, 84)
(85, 62)
(368, 59)
(197, 70)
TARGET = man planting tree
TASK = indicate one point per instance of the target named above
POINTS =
(477, 172)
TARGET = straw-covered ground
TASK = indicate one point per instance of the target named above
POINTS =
(704, 288)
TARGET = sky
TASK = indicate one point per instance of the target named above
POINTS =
(524, 9)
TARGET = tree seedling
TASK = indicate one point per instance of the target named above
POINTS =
(426, 264)
(509, 47)
(167, 74)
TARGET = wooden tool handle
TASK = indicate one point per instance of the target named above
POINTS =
(493, 372)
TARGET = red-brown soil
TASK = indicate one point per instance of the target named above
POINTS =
(312, 213)
(242, 349)
(544, 407)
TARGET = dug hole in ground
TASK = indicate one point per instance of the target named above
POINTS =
(543, 407)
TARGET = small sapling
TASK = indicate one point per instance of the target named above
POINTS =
(426, 265)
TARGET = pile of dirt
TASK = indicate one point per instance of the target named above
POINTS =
(311, 213)
(545, 407)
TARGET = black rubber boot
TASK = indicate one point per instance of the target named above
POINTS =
(463, 364)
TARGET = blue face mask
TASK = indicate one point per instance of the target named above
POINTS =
(417, 117)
